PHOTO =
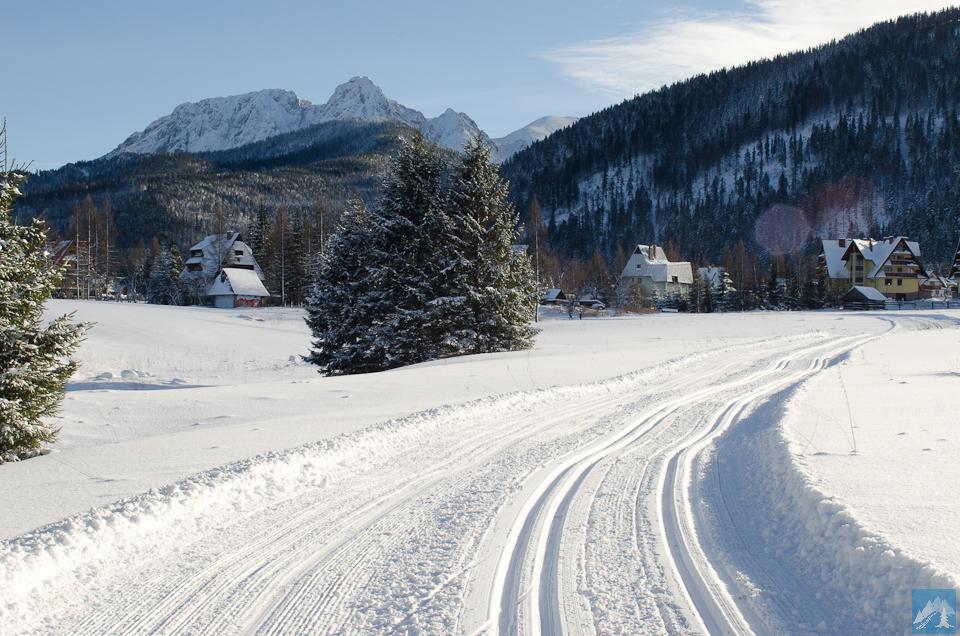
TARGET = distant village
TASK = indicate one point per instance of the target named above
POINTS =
(221, 271)
(850, 273)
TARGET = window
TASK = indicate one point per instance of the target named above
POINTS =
(675, 279)
(899, 282)
(888, 281)
(238, 252)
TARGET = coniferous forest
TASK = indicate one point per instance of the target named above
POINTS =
(857, 137)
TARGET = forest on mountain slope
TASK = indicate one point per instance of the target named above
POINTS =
(856, 137)
(178, 198)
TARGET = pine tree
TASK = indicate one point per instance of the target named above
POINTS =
(721, 292)
(164, 284)
(34, 358)
(298, 261)
(257, 232)
(495, 291)
(696, 304)
(774, 291)
(793, 292)
(342, 311)
(410, 251)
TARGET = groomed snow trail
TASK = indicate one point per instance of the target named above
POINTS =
(565, 510)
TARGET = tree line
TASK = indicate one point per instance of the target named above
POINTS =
(286, 243)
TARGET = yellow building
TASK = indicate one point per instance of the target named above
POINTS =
(891, 265)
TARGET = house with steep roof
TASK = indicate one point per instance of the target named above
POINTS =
(236, 287)
(209, 258)
(649, 269)
(891, 265)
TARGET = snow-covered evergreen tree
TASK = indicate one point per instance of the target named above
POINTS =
(793, 290)
(774, 290)
(696, 294)
(495, 293)
(411, 250)
(34, 358)
(163, 286)
(722, 291)
(342, 311)
(432, 271)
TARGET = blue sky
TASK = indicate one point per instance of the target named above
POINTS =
(84, 75)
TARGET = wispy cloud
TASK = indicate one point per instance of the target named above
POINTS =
(687, 43)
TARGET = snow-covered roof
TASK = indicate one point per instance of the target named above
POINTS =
(835, 251)
(233, 281)
(553, 294)
(651, 261)
(227, 240)
(870, 293)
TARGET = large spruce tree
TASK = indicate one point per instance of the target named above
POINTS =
(432, 271)
(410, 250)
(494, 279)
(34, 356)
(342, 313)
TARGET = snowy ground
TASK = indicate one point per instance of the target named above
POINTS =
(625, 476)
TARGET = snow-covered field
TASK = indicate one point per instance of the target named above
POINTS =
(668, 473)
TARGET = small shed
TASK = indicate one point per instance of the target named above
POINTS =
(236, 287)
(862, 297)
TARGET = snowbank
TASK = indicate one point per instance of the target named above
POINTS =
(794, 541)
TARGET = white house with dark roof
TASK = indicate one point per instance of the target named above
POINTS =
(649, 268)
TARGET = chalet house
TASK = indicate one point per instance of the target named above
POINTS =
(649, 269)
(892, 265)
(215, 252)
(213, 255)
(937, 287)
(236, 287)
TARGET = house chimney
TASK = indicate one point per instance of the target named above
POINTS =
(843, 242)
(652, 252)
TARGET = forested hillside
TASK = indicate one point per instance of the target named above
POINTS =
(174, 197)
(861, 136)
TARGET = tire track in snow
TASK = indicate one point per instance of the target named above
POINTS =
(509, 599)
(310, 560)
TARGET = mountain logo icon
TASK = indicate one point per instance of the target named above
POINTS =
(934, 611)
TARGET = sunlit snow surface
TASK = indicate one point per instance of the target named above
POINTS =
(573, 486)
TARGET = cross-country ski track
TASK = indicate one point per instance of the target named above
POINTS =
(568, 510)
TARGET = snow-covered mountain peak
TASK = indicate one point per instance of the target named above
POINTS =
(217, 123)
(516, 141)
(221, 123)
(359, 98)
(453, 130)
